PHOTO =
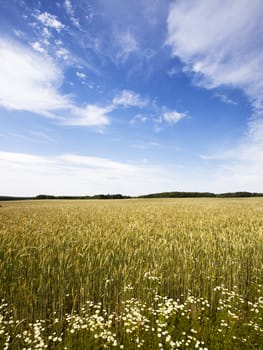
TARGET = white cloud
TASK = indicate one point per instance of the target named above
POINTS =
(90, 115)
(71, 174)
(50, 21)
(81, 75)
(173, 117)
(37, 47)
(220, 42)
(129, 98)
(30, 82)
(63, 53)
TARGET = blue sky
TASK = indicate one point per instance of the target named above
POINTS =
(132, 97)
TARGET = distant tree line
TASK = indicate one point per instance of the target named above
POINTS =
(96, 196)
(11, 198)
(201, 195)
(178, 195)
(152, 195)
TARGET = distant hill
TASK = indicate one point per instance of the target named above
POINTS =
(47, 196)
(176, 194)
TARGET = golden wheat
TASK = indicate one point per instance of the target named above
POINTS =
(56, 255)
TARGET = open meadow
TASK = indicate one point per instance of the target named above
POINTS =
(130, 274)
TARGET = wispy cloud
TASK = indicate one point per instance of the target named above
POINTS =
(173, 71)
(71, 13)
(127, 44)
(36, 45)
(173, 117)
(19, 34)
(90, 115)
(151, 111)
(81, 75)
(143, 145)
(32, 136)
(135, 29)
(164, 117)
(49, 20)
(63, 53)
(225, 99)
(141, 118)
(95, 162)
(128, 98)
(57, 39)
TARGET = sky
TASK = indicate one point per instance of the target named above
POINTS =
(131, 97)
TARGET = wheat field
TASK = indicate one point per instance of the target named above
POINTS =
(131, 274)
